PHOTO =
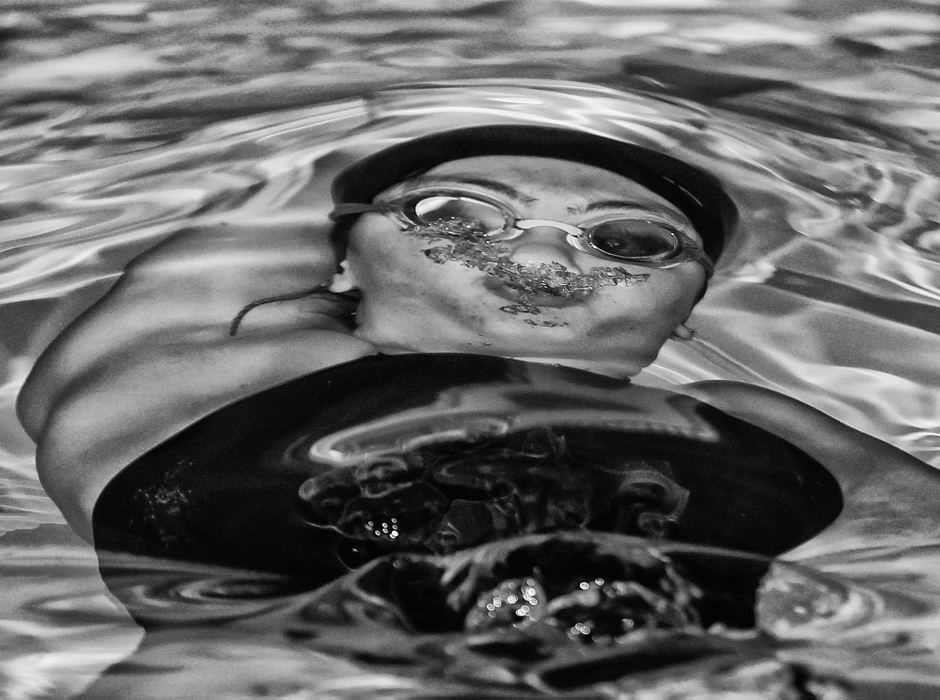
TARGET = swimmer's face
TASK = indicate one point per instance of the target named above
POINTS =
(427, 289)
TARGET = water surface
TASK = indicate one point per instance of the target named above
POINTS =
(124, 121)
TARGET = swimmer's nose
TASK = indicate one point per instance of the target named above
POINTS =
(544, 243)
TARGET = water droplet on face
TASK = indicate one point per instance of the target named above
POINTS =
(465, 244)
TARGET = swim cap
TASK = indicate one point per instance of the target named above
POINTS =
(694, 192)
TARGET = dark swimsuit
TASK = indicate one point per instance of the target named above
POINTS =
(225, 490)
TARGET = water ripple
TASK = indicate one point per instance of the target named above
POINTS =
(123, 121)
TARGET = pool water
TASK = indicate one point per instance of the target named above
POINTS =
(126, 121)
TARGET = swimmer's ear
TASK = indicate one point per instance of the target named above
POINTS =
(683, 332)
(344, 280)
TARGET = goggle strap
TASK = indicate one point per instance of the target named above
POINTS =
(341, 210)
(706, 262)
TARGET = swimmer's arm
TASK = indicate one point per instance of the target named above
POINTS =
(891, 498)
(184, 294)
(155, 354)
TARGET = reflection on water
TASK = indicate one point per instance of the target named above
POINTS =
(397, 627)
(59, 626)
(123, 122)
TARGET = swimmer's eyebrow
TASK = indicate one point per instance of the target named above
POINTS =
(493, 185)
(619, 204)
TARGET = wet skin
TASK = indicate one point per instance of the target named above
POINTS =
(412, 302)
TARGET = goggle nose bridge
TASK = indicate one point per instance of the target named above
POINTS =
(519, 226)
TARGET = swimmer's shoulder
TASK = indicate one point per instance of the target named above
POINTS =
(789, 418)
(769, 408)
(110, 414)
(890, 498)
(179, 298)
(155, 353)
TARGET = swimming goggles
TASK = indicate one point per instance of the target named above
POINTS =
(642, 237)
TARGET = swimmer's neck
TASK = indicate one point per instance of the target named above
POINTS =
(614, 370)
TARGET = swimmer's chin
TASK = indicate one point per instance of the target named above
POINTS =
(387, 344)
(614, 369)
(617, 369)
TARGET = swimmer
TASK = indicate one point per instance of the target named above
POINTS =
(549, 246)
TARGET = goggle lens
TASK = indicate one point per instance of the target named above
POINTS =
(633, 239)
(439, 209)
(626, 239)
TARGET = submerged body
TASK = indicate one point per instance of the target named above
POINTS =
(436, 453)
(93, 413)
(156, 354)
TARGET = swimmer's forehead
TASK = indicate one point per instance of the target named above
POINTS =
(531, 180)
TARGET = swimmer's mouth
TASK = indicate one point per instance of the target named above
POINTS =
(541, 299)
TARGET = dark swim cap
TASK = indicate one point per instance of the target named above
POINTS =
(694, 192)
